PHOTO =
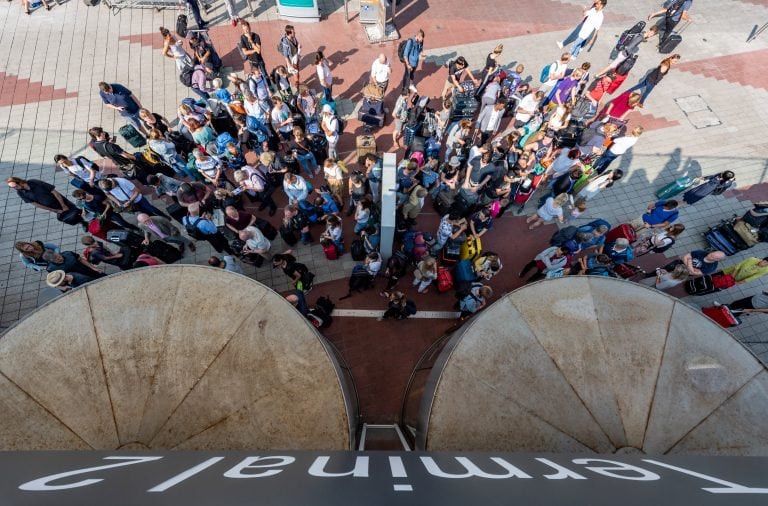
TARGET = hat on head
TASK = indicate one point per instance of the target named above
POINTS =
(55, 279)
(621, 244)
(454, 161)
(327, 109)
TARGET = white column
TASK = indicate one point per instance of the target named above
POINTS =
(388, 204)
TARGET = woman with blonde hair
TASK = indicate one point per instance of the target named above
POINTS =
(552, 209)
(334, 178)
(661, 240)
(425, 274)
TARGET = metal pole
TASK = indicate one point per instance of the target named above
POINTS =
(388, 204)
(394, 11)
(346, 11)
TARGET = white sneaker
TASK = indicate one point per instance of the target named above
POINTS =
(559, 44)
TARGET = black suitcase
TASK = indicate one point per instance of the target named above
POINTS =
(183, 145)
(376, 120)
(181, 26)
(670, 44)
(569, 136)
(70, 216)
(417, 144)
(132, 136)
(224, 123)
(177, 212)
(700, 286)
(168, 253)
(319, 147)
(375, 107)
(727, 230)
(288, 235)
(266, 228)
(125, 238)
(443, 202)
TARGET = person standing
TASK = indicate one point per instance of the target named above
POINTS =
(200, 226)
(653, 78)
(330, 126)
(411, 56)
(489, 120)
(712, 185)
(157, 227)
(195, 8)
(82, 170)
(232, 11)
(290, 48)
(619, 146)
(324, 76)
(121, 99)
(673, 11)
(587, 30)
(127, 196)
(41, 195)
(556, 72)
(250, 44)
(381, 72)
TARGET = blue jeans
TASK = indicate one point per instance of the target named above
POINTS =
(308, 162)
(604, 161)
(646, 88)
(578, 46)
(145, 206)
(328, 91)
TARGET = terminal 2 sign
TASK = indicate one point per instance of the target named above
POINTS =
(261, 478)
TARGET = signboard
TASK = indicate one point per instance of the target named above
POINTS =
(376, 478)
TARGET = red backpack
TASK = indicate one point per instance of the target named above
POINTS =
(330, 250)
(444, 279)
(420, 249)
(723, 281)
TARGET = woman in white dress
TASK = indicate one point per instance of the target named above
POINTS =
(596, 185)
(174, 49)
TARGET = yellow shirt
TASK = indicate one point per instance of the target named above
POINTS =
(746, 270)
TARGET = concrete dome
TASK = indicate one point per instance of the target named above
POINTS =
(178, 356)
(595, 365)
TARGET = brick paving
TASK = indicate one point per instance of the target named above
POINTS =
(53, 60)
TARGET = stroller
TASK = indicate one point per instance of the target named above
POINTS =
(526, 189)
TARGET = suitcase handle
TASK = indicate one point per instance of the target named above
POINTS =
(683, 27)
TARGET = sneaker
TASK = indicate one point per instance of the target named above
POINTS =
(559, 44)
(716, 304)
(234, 23)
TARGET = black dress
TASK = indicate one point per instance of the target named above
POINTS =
(712, 185)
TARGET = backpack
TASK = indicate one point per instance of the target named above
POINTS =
(151, 156)
(221, 142)
(563, 235)
(625, 66)
(410, 308)
(723, 281)
(320, 315)
(628, 37)
(186, 75)
(357, 250)
(342, 124)
(544, 77)
(192, 230)
(401, 50)
(420, 249)
(444, 279)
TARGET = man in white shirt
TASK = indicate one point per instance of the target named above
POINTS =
(380, 72)
(127, 196)
(619, 147)
(82, 169)
(330, 126)
(556, 72)
(593, 20)
(490, 119)
(527, 107)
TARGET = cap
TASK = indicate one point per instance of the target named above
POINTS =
(621, 244)
(327, 109)
(454, 161)
(55, 278)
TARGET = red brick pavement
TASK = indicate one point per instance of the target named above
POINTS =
(16, 91)
(734, 68)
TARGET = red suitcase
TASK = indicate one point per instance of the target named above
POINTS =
(444, 279)
(722, 315)
(330, 250)
(625, 230)
(98, 228)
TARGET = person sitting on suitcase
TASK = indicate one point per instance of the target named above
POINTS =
(673, 11)
(700, 263)
(159, 228)
(749, 269)
(121, 99)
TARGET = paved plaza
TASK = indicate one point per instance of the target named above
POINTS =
(52, 62)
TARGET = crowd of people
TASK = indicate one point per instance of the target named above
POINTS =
(495, 142)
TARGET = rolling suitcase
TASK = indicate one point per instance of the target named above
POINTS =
(719, 242)
(125, 238)
(444, 279)
(734, 238)
(672, 41)
(375, 120)
(625, 231)
(746, 233)
(463, 107)
(700, 286)
(132, 136)
(450, 254)
(443, 202)
(164, 251)
(675, 187)
(568, 137)
(464, 272)
(364, 144)
(70, 216)
(177, 212)
(470, 249)
(723, 316)
(224, 123)
(330, 250)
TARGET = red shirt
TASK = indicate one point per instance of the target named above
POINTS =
(621, 105)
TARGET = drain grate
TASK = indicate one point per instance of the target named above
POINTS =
(697, 111)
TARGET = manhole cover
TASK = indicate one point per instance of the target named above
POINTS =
(697, 111)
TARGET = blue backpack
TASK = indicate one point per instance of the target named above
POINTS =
(330, 205)
(544, 77)
(310, 211)
(221, 142)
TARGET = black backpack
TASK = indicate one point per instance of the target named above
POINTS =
(181, 25)
(358, 250)
(629, 36)
(401, 50)
(625, 66)
(186, 75)
(563, 235)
